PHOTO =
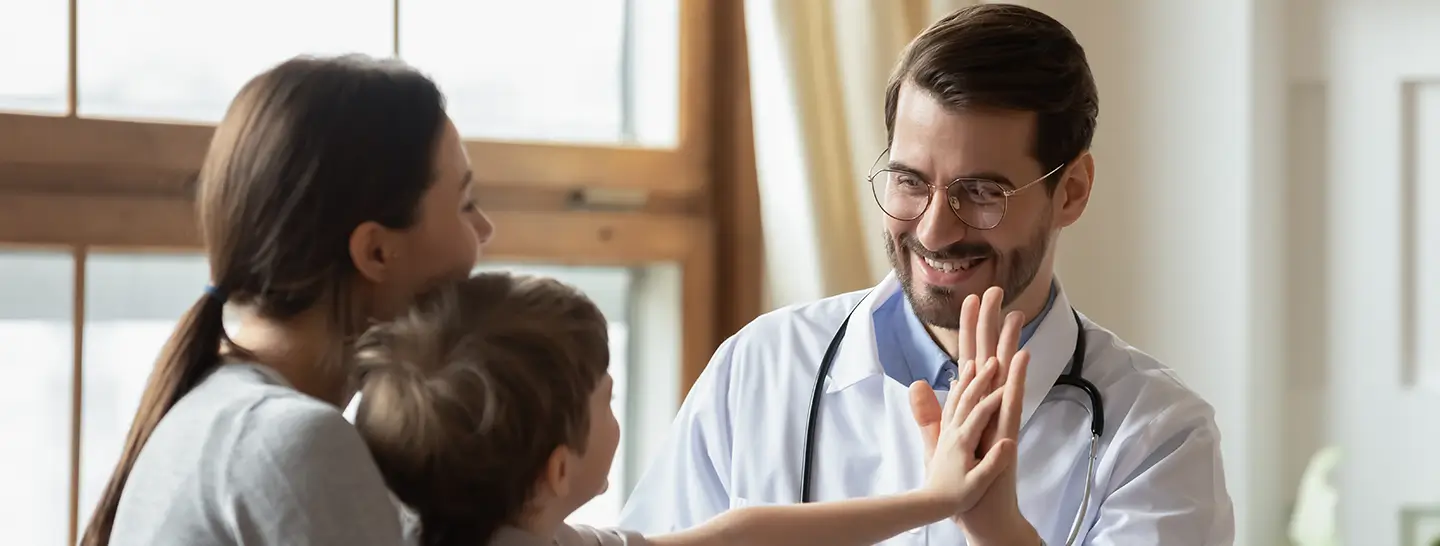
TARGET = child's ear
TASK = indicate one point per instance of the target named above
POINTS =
(556, 478)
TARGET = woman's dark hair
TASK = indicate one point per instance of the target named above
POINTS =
(308, 151)
(464, 398)
(1006, 57)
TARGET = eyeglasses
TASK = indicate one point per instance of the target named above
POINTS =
(980, 203)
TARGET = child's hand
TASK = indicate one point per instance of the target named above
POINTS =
(955, 471)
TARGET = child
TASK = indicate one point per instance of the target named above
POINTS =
(487, 408)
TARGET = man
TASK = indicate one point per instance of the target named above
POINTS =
(990, 116)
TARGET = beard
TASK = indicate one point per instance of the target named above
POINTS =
(939, 306)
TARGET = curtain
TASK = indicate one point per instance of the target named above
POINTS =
(818, 70)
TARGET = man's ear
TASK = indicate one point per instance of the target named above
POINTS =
(371, 251)
(1073, 193)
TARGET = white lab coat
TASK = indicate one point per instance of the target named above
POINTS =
(738, 438)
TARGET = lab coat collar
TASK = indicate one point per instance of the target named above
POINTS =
(1050, 347)
(858, 357)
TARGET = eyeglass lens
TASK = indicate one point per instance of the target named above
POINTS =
(904, 196)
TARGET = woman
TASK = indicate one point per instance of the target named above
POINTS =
(334, 191)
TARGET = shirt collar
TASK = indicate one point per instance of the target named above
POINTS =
(925, 357)
(1030, 327)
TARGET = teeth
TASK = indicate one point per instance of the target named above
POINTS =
(950, 266)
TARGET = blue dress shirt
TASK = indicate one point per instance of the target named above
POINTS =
(908, 353)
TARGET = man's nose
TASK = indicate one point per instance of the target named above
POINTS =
(939, 227)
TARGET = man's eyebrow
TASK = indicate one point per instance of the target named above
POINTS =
(991, 176)
(467, 181)
(980, 175)
(894, 165)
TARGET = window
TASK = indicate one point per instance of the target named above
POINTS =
(132, 302)
(34, 39)
(595, 71)
(185, 59)
(576, 71)
(36, 359)
(598, 159)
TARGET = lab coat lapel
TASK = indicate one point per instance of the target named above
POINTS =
(1050, 349)
(857, 357)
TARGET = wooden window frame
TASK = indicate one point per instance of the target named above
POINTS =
(72, 183)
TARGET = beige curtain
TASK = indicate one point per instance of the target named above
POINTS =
(818, 74)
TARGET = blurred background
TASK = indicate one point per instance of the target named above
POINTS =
(1266, 215)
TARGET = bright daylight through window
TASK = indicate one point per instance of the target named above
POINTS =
(504, 81)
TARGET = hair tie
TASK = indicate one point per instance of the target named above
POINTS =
(217, 293)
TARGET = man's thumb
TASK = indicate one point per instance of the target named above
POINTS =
(926, 409)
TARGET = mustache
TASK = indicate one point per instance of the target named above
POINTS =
(957, 251)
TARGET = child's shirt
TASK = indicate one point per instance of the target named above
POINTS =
(578, 535)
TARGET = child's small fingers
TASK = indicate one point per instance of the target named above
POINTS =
(995, 462)
(973, 393)
(948, 413)
(978, 420)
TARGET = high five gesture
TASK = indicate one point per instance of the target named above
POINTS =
(994, 366)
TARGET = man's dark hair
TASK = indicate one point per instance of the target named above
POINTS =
(1008, 57)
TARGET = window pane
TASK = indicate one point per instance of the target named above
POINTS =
(552, 70)
(609, 287)
(186, 59)
(35, 39)
(132, 302)
(36, 359)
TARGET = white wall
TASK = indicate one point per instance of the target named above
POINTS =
(1179, 252)
(1308, 421)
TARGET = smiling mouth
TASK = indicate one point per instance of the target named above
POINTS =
(953, 265)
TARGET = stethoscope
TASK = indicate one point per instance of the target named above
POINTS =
(1070, 377)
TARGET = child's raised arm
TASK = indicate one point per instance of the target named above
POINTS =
(956, 480)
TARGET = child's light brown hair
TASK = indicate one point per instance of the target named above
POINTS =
(465, 398)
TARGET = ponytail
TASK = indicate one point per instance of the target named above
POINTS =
(192, 351)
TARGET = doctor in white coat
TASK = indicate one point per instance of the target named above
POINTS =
(990, 115)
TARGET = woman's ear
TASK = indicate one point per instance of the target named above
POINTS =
(371, 251)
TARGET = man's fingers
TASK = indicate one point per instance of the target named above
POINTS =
(1009, 341)
(969, 315)
(987, 330)
(926, 410)
(1014, 390)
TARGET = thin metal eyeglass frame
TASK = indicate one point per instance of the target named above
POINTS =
(930, 197)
